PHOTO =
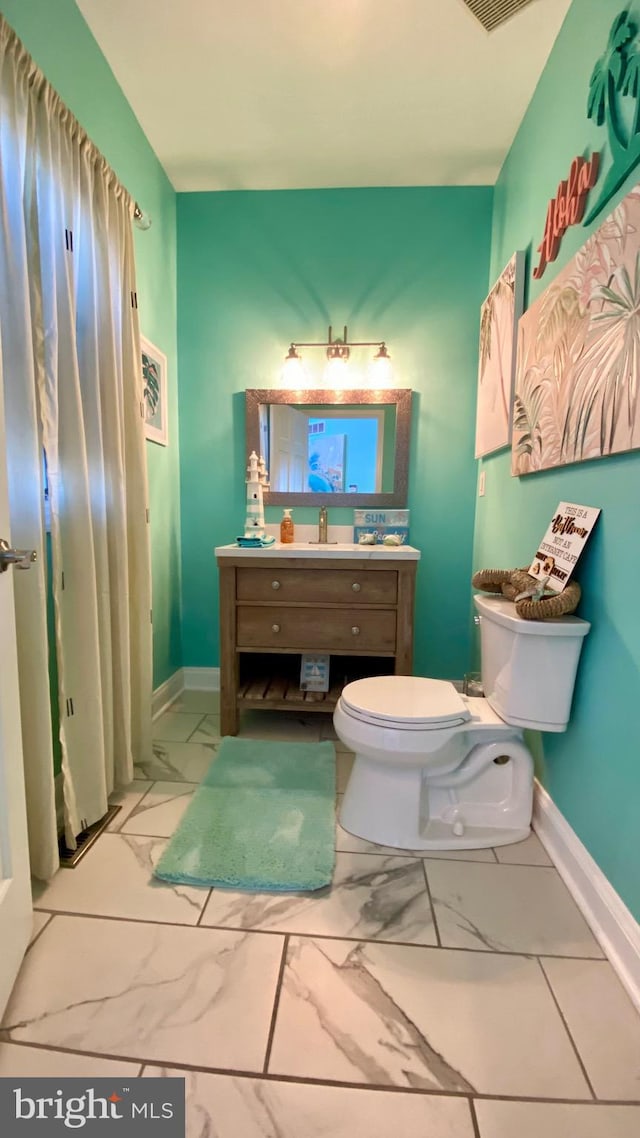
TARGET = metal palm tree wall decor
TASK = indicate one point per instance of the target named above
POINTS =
(614, 101)
(578, 368)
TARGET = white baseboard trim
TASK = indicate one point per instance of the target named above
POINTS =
(201, 679)
(613, 926)
(166, 693)
(194, 679)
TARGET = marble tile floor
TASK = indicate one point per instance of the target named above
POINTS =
(457, 996)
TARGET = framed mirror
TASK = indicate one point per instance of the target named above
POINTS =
(332, 448)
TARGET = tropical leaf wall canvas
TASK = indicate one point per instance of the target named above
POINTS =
(498, 328)
(154, 392)
(578, 367)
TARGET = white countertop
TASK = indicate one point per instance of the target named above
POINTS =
(342, 550)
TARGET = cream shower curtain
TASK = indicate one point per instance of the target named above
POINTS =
(67, 292)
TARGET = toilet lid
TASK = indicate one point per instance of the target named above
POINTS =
(411, 700)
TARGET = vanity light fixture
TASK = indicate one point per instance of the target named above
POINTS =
(337, 351)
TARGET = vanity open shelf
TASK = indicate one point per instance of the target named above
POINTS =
(272, 682)
(355, 603)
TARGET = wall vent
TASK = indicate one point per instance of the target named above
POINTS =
(492, 13)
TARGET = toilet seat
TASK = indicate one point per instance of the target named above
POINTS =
(405, 703)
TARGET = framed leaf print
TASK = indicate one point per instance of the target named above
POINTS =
(577, 379)
(499, 317)
(154, 386)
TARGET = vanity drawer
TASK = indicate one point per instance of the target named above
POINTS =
(318, 586)
(316, 629)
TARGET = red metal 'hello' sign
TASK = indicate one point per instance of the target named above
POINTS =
(567, 208)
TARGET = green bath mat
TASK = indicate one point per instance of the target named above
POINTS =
(263, 819)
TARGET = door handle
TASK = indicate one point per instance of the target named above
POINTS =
(21, 558)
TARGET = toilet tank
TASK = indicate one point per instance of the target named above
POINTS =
(528, 666)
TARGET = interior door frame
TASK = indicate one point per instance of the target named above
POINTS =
(16, 907)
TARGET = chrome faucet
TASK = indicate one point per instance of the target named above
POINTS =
(322, 526)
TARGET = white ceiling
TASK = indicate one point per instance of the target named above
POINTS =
(280, 94)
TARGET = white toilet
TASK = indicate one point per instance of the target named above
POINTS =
(436, 770)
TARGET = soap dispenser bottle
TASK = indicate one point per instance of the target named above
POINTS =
(286, 528)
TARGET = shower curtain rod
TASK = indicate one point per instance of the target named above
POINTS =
(37, 80)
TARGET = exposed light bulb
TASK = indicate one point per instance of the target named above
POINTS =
(293, 374)
(336, 373)
(380, 371)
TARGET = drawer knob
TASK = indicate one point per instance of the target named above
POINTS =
(275, 627)
(356, 587)
(275, 584)
(355, 630)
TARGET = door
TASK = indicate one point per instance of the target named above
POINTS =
(288, 450)
(15, 890)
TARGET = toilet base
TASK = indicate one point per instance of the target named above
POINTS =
(405, 808)
(441, 837)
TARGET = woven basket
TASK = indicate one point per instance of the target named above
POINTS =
(491, 580)
(512, 582)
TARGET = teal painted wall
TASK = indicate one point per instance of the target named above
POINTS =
(592, 772)
(256, 270)
(56, 35)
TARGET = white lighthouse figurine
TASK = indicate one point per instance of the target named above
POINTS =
(257, 478)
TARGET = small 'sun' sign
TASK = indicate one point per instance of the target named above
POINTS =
(140, 1108)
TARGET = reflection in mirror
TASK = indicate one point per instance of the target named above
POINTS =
(325, 450)
(332, 447)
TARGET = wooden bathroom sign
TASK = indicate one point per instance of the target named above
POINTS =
(562, 544)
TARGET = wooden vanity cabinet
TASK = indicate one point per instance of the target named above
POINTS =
(274, 608)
